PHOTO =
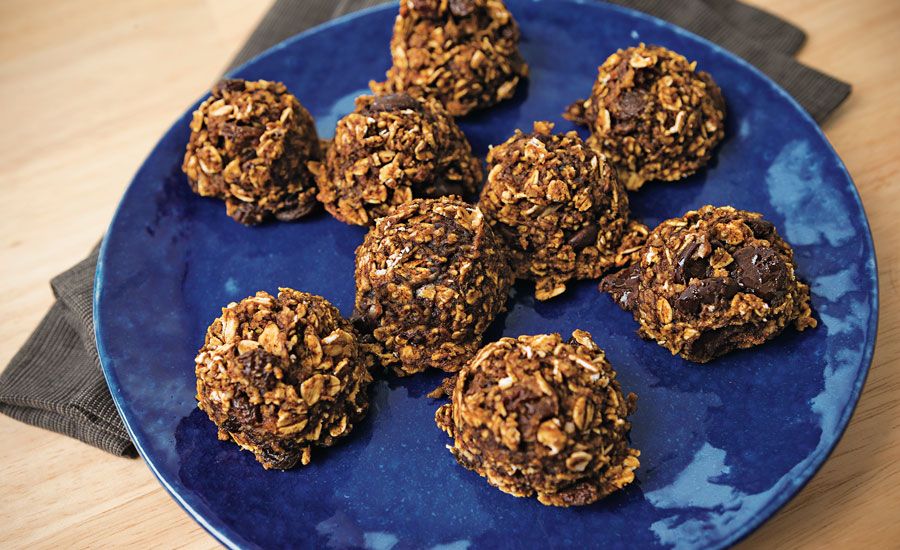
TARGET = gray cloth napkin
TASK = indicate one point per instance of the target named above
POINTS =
(55, 380)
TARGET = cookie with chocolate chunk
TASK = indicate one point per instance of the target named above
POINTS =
(540, 416)
(249, 145)
(430, 278)
(712, 281)
(559, 208)
(465, 53)
(280, 375)
(652, 114)
(389, 150)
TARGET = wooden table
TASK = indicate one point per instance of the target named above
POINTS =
(86, 89)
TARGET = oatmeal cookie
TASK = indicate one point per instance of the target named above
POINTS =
(536, 415)
(712, 281)
(465, 53)
(279, 375)
(652, 115)
(389, 150)
(430, 278)
(559, 208)
(249, 145)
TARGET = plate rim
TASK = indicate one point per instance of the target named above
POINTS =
(229, 537)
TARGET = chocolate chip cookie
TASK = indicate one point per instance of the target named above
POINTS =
(249, 145)
(279, 375)
(430, 278)
(464, 53)
(389, 150)
(652, 114)
(559, 208)
(712, 281)
(540, 416)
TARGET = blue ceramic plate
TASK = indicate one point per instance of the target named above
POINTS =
(723, 445)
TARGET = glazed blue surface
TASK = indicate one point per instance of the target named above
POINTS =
(723, 445)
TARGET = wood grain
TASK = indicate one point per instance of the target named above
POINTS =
(86, 89)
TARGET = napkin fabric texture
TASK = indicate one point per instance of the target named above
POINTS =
(55, 380)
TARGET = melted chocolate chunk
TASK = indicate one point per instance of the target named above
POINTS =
(689, 267)
(761, 228)
(706, 292)
(623, 285)
(537, 407)
(392, 102)
(713, 343)
(585, 236)
(761, 271)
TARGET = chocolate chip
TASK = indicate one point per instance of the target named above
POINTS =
(762, 229)
(247, 213)
(626, 116)
(761, 271)
(366, 322)
(363, 325)
(244, 413)
(631, 104)
(585, 236)
(462, 8)
(231, 425)
(281, 455)
(442, 188)
(706, 292)
(507, 233)
(228, 85)
(391, 103)
(242, 135)
(690, 267)
(253, 364)
(295, 211)
(624, 286)
(425, 8)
